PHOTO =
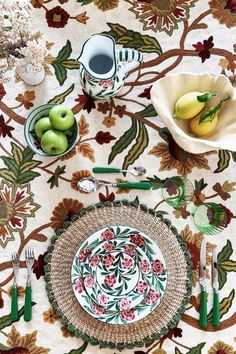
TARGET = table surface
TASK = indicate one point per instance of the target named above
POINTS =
(175, 36)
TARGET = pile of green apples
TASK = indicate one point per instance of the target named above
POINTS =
(51, 130)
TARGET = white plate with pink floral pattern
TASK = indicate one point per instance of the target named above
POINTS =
(119, 275)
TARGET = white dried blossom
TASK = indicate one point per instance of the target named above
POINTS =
(3, 64)
(16, 44)
(34, 51)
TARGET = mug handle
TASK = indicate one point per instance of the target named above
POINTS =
(132, 56)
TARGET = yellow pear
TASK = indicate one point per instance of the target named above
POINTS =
(206, 121)
(203, 128)
(190, 104)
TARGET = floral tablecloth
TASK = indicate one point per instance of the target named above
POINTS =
(37, 195)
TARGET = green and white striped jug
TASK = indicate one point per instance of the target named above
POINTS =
(104, 67)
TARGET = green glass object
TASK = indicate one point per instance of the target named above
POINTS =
(28, 305)
(14, 304)
(203, 309)
(211, 218)
(177, 191)
(216, 310)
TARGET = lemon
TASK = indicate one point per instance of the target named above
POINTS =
(188, 105)
(203, 128)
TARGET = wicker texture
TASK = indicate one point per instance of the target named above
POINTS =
(61, 294)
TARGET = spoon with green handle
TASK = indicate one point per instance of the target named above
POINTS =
(92, 184)
(136, 171)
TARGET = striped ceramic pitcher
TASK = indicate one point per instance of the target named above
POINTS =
(104, 67)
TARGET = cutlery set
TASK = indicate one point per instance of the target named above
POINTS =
(215, 285)
(92, 184)
(29, 259)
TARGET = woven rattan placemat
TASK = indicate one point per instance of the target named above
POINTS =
(63, 248)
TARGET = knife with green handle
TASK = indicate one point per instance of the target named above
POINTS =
(215, 285)
(202, 281)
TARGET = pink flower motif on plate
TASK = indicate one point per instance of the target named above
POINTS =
(127, 263)
(102, 299)
(151, 297)
(130, 250)
(141, 287)
(106, 83)
(110, 280)
(94, 261)
(98, 310)
(137, 240)
(145, 266)
(128, 315)
(107, 246)
(108, 260)
(89, 281)
(84, 254)
(157, 267)
(124, 304)
(79, 285)
(107, 235)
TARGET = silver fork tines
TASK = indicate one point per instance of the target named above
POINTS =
(29, 258)
(15, 266)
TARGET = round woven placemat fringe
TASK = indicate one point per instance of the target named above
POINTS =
(63, 248)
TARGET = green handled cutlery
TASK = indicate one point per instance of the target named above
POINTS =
(215, 285)
(202, 281)
(136, 171)
(92, 184)
(29, 258)
(14, 298)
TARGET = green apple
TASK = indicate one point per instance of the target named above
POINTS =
(61, 118)
(54, 142)
(41, 126)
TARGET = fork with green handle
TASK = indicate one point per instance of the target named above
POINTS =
(29, 259)
(14, 298)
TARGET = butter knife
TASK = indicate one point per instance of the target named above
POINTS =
(215, 285)
(202, 281)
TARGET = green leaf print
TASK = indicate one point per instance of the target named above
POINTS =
(223, 162)
(6, 320)
(54, 180)
(80, 350)
(58, 99)
(197, 349)
(84, 2)
(20, 166)
(65, 52)
(132, 39)
(225, 264)
(124, 141)
(139, 146)
(225, 305)
(149, 111)
(62, 62)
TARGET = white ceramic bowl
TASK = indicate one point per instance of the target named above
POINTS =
(166, 91)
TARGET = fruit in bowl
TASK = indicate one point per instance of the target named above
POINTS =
(211, 124)
(192, 106)
(51, 130)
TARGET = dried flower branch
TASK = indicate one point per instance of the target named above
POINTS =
(16, 40)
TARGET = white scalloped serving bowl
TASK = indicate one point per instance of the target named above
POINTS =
(166, 91)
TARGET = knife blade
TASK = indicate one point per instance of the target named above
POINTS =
(215, 285)
(202, 281)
